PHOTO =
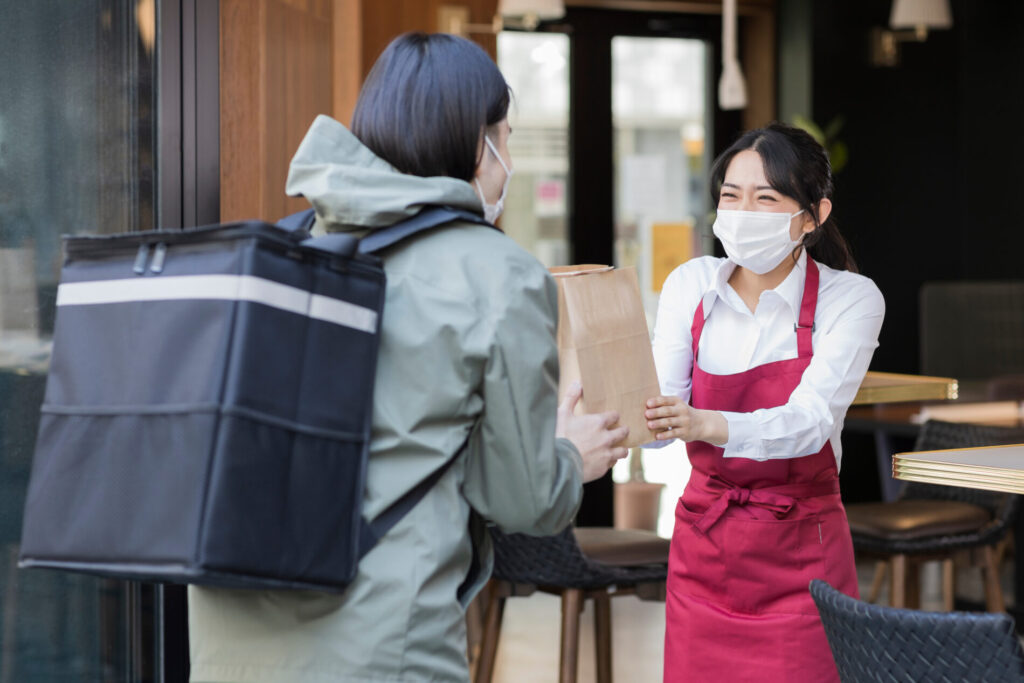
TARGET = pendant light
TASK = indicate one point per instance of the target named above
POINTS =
(732, 89)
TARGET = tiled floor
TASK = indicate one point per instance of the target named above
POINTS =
(528, 650)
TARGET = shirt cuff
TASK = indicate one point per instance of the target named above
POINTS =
(743, 437)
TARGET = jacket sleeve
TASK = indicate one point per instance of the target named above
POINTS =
(518, 475)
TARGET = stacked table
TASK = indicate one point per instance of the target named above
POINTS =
(992, 468)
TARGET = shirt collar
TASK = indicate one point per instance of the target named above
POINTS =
(790, 290)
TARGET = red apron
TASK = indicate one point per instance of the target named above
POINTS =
(749, 537)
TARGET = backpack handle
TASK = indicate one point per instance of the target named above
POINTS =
(343, 244)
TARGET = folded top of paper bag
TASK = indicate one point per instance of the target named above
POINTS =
(581, 269)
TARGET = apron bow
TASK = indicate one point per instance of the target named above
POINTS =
(778, 503)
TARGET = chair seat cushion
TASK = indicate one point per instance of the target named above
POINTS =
(622, 547)
(910, 519)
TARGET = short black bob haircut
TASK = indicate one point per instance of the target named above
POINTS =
(427, 101)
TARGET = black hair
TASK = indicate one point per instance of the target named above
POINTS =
(796, 166)
(427, 101)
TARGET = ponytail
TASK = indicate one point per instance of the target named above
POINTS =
(825, 244)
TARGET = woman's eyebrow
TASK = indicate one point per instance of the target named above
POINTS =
(731, 185)
(766, 187)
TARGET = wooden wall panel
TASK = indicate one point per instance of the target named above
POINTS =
(347, 57)
(276, 76)
(298, 70)
(241, 181)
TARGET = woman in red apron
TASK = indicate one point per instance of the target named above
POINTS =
(760, 355)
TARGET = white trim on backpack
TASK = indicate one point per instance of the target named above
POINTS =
(219, 287)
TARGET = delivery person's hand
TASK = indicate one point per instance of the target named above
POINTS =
(670, 417)
(592, 435)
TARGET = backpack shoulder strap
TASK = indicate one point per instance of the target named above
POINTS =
(302, 220)
(371, 531)
(428, 218)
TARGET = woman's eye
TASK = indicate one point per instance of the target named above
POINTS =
(728, 195)
(767, 198)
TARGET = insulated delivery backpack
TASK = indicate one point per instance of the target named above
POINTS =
(208, 407)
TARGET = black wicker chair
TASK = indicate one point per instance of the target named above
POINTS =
(929, 522)
(577, 564)
(878, 644)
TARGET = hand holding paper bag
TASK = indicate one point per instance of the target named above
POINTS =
(603, 342)
(593, 435)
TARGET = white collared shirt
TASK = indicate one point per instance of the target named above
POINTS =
(847, 322)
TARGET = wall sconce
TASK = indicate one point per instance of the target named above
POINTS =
(910, 21)
(521, 14)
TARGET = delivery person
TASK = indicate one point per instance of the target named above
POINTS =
(759, 355)
(467, 352)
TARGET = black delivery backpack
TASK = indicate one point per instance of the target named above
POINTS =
(208, 407)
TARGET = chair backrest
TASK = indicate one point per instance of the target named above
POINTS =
(558, 561)
(972, 330)
(883, 644)
(937, 435)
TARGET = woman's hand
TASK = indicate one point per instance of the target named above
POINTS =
(670, 417)
(592, 435)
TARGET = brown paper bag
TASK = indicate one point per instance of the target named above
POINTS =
(603, 342)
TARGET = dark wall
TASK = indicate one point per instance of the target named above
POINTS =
(933, 185)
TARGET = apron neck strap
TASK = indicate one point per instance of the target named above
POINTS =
(805, 327)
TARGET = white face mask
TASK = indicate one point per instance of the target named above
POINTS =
(493, 211)
(756, 240)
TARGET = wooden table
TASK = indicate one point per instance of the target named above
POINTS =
(890, 387)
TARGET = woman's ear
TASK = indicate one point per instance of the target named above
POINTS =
(824, 211)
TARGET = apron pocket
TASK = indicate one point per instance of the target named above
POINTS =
(769, 564)
(696, 561)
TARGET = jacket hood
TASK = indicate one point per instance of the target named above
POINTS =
(351, 188)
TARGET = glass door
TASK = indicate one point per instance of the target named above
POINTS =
(661, 120)
(659, 114)
(536, 66)
(77, 155)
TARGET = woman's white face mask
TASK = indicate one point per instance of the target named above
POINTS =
(493, 211)
(756, 240)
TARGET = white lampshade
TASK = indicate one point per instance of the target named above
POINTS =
(920, 13)
(542, 9)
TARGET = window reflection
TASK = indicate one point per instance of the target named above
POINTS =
(76, 155)
(536, 66)
(659, 111)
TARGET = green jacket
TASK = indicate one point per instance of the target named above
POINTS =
(467, 351)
